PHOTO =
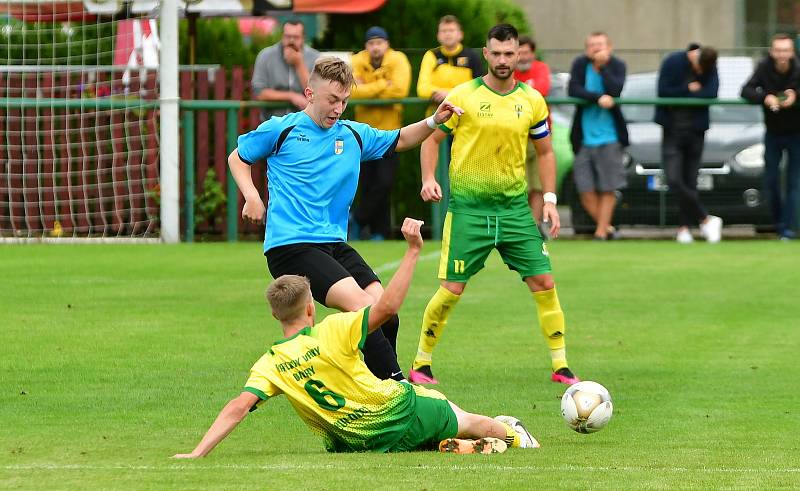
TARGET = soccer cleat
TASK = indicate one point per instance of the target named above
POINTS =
(564, 376)
(526, 440)
(423, 375)
(485, 445)
(712, 229)
(684, 236)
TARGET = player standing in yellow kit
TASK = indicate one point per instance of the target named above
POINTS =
(488, 206)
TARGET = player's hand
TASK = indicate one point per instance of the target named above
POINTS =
(550, 215)
(185, 456)
(445, 110)
(695, 86)
(605, 101)
(431, 191)
(791, 97)
(412, 233)
(253, 210)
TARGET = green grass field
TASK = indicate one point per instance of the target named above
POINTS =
(114, 357)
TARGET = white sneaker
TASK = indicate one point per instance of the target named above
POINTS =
(712, 229)
(526, 440)
(684, 236)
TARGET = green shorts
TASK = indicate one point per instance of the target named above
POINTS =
(467, 241)
(433, 421)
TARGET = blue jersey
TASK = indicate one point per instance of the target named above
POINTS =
(312, 174)
(598, 123)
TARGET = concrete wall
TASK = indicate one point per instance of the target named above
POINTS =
(632, 24)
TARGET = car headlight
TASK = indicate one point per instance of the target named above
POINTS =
(751, 158)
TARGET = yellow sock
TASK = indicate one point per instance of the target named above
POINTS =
(551, 320)
(433, 323)
(512, 438)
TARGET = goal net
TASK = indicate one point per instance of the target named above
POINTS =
(78, 123)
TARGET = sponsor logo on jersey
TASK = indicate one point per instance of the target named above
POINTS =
(485, 110)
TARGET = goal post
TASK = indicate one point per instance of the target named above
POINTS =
(84, 102)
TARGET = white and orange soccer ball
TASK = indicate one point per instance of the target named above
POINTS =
(586, 407)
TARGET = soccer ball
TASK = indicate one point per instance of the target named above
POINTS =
(586, 407)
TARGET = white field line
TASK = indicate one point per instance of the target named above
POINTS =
(350, 467)
(394, 264)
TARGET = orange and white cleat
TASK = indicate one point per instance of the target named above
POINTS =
(485, 445)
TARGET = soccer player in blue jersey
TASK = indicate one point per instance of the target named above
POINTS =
(313, 166)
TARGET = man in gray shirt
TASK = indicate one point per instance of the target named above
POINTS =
(281, 71)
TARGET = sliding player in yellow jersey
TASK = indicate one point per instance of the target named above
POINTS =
(318, 368)
(488, 206)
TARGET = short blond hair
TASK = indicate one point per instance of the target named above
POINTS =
(334, 70)
(288, 296)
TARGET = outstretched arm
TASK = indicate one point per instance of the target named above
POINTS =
(231, 415)
(392, 298)
(413, 134)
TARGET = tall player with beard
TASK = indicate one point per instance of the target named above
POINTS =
(488, 207)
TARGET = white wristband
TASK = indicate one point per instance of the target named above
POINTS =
(431, 122)
(550, 198)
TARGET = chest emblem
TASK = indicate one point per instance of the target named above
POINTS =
(338, 146)
(518, 110)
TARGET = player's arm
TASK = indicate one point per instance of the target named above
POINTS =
(546, 159)
(392, 298)
(253, 210)
(429, 160)
(413, 134)
(231, 415)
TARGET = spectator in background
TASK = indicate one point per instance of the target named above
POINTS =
(598, 131)
(381, 73)
(690, 73)
(281, 71)
(774, 85)
(448, 65)
(536, 74)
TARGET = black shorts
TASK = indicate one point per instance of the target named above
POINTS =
(323, 265)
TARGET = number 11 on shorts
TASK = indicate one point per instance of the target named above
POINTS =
(458, 266)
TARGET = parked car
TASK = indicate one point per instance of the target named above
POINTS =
(730, 179)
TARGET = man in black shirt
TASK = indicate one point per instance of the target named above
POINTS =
(690, 73)
(774, 84)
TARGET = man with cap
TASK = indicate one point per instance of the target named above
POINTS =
(381, 73)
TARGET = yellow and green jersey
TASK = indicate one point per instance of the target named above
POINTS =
(321, 373)
(487, 161)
